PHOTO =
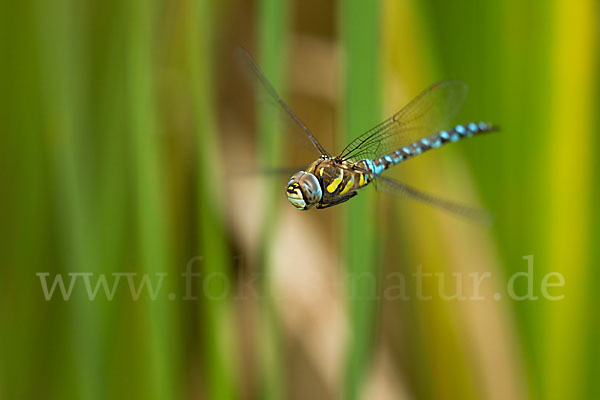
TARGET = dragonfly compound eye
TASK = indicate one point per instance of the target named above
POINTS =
(304, 190)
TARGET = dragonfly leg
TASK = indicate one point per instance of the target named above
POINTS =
(336, 201)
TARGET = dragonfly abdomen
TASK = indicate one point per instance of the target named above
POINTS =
(455, 134)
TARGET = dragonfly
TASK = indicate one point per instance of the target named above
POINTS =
(420, 126)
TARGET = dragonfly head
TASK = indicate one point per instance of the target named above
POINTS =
(304, 190)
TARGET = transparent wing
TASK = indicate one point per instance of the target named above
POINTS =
(431, 111)
(471, 213)
(250, 65)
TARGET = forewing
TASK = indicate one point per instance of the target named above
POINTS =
(431, 111)
(259, 79)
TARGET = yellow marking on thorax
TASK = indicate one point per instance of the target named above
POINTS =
(362, 181)
(349, 185)
(336, 182)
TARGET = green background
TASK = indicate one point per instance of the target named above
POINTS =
(130, 144)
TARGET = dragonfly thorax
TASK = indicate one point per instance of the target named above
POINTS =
(304, 190)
